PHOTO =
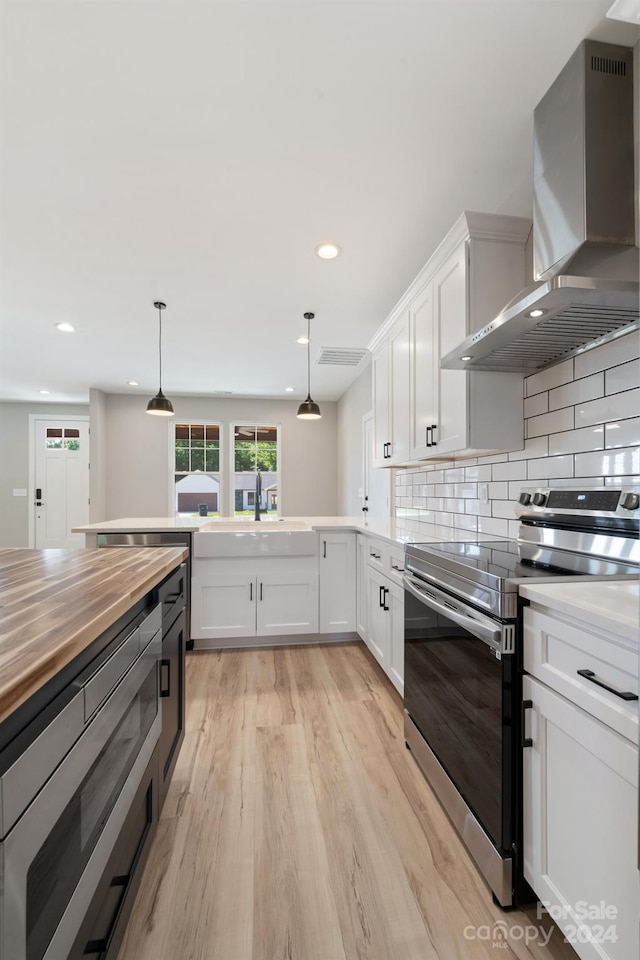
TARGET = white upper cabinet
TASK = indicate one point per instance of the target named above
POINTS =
(476, 270)
(391, 396)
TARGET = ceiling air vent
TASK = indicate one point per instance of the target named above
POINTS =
(342, 356)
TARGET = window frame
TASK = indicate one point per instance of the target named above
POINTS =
(195, 422)
(244, 422)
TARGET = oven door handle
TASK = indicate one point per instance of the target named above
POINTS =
(481, 627)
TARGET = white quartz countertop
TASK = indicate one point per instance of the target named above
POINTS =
(394, 531)
(612, 605)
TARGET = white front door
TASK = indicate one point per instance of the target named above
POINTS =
(61, 481)
(376, 481)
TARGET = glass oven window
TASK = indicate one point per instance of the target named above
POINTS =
(454, 695)
(56, 869)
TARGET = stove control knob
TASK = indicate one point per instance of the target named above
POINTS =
(525, 499)
(630, 501)
(539, 499)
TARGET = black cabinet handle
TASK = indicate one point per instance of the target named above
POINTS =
(380, 597)
(324, 550)
(261, 591)
(250, 592)
(173, 597)
(526, 705)
(623, 694)
(165, 691)
(427, 430)
(434, 427)
(385, 591)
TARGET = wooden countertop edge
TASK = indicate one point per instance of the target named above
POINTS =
(42, 667)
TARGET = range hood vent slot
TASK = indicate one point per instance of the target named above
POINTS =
(585, 258)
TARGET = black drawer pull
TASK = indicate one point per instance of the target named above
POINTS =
(173, 597)
(381, 597)
(623, 694)
(385, 591)
(165, 691)
(526, 705)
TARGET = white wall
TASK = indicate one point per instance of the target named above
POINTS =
(14, 464)
(137, 452)
(352, 407)
(98, 456)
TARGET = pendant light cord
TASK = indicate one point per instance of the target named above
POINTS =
(160, 346)
(308, 357)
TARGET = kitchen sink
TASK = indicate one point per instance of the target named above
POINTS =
(245, 539)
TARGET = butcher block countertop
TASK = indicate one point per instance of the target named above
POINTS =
(54, 603)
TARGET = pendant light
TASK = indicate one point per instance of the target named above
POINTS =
(159, 405)
(308, 410)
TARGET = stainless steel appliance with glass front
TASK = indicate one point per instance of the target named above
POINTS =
(463, 656)
(67, 781)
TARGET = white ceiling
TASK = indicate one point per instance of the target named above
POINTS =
(196, 152)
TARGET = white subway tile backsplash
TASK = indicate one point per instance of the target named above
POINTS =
(495, 527)
(624, 433)
(550, 423)
(621, 481)
(566, 437)
(503, 508)
(577, 441)
(551, 377)
(608, 355)
(514, 470)
(614, 407)
(535, 447)
(580, 390)
(550, 467)
(609, 463)
(478, 473)
(539, 403)
(624, 377)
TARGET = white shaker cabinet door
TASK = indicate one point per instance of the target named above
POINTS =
(580, 824)
(286, 603)
(223, 606)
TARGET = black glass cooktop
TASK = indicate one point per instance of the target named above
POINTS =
(498, 563)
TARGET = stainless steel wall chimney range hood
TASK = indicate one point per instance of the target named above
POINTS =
(585, 256)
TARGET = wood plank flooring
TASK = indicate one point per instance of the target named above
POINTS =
(298, 827)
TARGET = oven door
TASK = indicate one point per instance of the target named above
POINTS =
(458, 691)
(53, 858)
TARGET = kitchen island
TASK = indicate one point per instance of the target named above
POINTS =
(91, 720)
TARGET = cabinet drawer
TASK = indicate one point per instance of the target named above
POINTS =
(555, 651)
(172, 595)
(394, 567)
(376, 554)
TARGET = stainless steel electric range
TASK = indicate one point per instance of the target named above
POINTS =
(463, 656)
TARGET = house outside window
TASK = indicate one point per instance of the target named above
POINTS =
(255, 460)
(197, 480)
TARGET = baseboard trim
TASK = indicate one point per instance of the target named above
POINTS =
(285, 640)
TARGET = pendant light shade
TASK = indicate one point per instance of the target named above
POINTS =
(308, 409)
(159, 405)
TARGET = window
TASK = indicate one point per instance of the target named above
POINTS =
(197, 469)
(255, 463)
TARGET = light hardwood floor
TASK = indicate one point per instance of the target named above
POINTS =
(298, 827)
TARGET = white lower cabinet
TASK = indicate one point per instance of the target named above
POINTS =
(385, 625)
(337, 565)
(580, 790)
(238, 598)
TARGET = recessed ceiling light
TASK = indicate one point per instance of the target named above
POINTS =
(288, 389)
(65, 327)
(302, 340)
(133, 383)
(468, 356)
(536, 313)
(328, 250)
(44, 391)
